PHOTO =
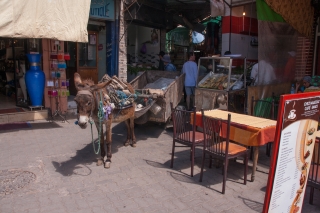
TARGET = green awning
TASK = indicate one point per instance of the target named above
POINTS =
(265, 13)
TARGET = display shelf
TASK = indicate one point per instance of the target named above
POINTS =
(57, 84)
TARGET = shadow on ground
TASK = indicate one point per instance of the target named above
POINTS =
(79, 164)
(81, 160)
(142, 131)
(254, 205)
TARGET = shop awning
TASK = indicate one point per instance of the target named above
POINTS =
(53, 19)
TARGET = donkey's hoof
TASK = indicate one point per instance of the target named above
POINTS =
(126, 144)
(134, 145)
(99, 162)
(107, 164)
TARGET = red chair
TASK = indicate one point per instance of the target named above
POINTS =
(185, 133)
(314, 172)
(216, 133)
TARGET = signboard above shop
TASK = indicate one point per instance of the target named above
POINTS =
(102, 10)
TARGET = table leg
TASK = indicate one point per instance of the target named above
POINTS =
(255, 162)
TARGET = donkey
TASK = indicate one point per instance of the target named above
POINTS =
(87, 99)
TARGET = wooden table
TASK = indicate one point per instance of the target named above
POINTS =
(246, 130)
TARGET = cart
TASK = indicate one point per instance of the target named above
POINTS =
(221, 83)
(156, 100)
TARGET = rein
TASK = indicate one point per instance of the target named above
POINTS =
(100, 116)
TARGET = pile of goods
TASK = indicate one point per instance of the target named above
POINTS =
(150, 92)
(214, 82)
(220, 82)
(144, 99)
(118, 92)
(315, 81)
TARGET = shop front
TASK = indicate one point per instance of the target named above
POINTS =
(62, 56)
(33, 54)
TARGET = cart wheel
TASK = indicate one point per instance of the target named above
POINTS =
(142, 119)
(168, 123)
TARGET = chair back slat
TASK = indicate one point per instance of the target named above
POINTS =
(216, 134)
(314, 173)
(182, 128)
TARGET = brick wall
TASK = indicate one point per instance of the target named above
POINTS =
(122, 45)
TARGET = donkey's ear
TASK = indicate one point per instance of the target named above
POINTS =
(99, 86)
(77, 80)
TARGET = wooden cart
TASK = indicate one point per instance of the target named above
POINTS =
(160, 97)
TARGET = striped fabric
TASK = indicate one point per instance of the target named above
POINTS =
(245, 129)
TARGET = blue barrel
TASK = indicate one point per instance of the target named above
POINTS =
(35, 80)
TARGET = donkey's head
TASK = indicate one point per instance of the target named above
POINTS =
(85, 99)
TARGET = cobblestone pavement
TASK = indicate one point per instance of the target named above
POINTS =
(51, 167)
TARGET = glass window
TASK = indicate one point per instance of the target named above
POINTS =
(88, 51)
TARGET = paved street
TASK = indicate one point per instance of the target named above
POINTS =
(54, 170)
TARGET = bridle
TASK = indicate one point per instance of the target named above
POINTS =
(100, 115)
(87, 92)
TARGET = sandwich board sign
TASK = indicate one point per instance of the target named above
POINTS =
(293, 147)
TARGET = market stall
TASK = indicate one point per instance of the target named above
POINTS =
(221, 83)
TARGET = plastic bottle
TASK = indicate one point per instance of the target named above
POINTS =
(292, 91)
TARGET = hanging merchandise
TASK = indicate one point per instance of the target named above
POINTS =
(66, 56)
(143, 49)
(217, 8)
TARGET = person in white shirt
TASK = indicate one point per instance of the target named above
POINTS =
(254, 73)
(263, 73)
(191, 70)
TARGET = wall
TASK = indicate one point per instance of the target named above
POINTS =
(102, 68)
(122, 42)
(243, 29)
(136, 37)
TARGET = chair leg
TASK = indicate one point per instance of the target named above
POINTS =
(251, 152)
(311, 196)
(268, 149)
(245, 168)
(225, 176)
(172, 155)
(192, 159)
(202, 165)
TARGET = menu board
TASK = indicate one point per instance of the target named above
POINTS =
(293, 149)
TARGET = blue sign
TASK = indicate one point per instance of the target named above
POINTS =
(102, 9)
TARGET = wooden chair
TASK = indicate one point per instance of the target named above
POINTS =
(184, 133)
(217, 144)
(314, 172)
(263, 109)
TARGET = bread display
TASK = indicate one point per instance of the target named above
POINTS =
(218, 81)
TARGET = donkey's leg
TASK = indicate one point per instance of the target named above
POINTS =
(133, 137)
(102, 150)
(127, 122)
(108, 141)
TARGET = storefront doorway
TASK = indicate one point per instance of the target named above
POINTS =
(13, 66)
(88, 59)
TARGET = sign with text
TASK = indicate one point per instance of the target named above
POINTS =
(293, 148)
(102, 9)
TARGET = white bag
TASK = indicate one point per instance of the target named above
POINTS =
(217, 8)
